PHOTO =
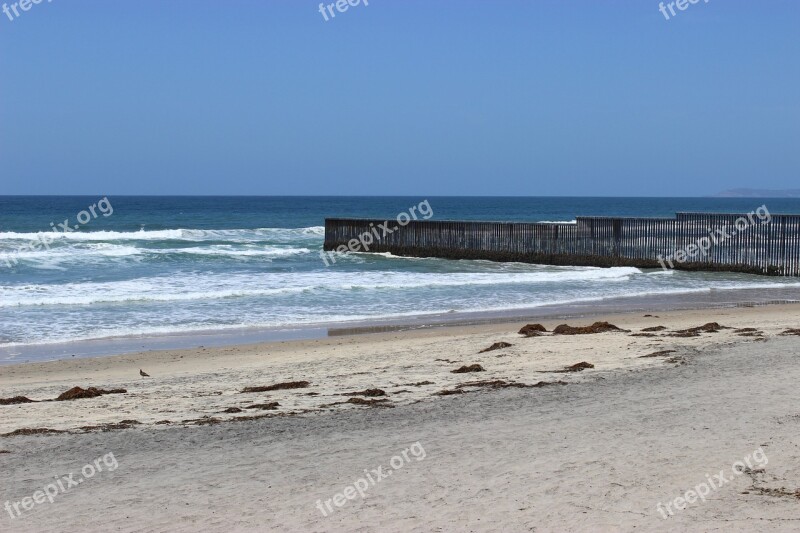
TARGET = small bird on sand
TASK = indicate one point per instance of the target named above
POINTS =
(143, 373)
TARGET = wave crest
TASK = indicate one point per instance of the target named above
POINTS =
(236, 235)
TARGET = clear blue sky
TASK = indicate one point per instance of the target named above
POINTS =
(416, 97)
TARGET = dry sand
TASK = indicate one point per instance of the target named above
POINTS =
(597, 454)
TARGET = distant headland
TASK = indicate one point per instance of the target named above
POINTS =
(759, 193)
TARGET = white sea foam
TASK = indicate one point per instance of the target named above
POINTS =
(224, 250)
(102, 251)
(184, 287)
(151, 282)
(236, 235)
(94, 249)
(319, 318)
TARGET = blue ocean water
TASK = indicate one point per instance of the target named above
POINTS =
(144, 266)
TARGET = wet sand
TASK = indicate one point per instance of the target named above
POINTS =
(651, 303)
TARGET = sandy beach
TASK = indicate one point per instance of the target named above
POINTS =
(524, 445)
(353, 266)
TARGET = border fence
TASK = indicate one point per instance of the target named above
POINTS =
(767, 247)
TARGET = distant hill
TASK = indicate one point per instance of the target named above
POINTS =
(759, 193)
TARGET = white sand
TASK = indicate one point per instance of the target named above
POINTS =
(596, 455)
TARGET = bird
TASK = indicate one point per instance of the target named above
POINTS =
(143, 373)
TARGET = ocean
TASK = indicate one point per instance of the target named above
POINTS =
(145, 267)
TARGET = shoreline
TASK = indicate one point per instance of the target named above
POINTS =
(207, 385)
(246, 336)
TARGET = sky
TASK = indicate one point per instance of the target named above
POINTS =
(399, 97)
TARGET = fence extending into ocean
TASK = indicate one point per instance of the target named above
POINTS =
(690, 241)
